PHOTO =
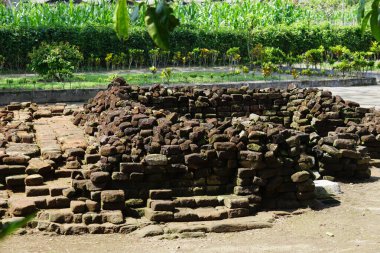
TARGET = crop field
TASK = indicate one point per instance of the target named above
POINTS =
(235, 14)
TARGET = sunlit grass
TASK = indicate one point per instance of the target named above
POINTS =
(91, 80)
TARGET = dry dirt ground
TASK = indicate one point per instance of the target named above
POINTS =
(352, 226)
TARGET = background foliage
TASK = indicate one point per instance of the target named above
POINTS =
(17, 42)
(231, 15)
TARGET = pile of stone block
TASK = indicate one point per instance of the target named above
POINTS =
(341, 156)
(188, 154)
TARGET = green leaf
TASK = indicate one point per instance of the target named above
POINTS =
(13, 226)
(122, 20)
(160, 21)
(374, 20)
(365, 21)
(361, 11)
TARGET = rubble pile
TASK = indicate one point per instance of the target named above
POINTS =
(186, 154)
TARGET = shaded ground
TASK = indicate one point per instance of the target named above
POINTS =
(352, 226)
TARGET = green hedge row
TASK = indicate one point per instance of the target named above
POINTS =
(16, 43)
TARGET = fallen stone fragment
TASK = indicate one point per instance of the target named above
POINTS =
(149, 231)
(326, 188)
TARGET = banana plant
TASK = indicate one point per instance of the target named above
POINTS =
(159, 21)
(371, 17)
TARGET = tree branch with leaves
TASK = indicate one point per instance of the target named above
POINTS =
(371, 17)
(159, 21)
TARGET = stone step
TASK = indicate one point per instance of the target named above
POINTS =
(198, 201)
(10, 170)
(39, 166)
(66, 215)
(32, 191)
(63, 173)
(17, 181)
(200, 214)
(21, 206)
(262, 220)
(57, 190)
(34, 180)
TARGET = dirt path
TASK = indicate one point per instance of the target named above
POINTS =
(353, 226)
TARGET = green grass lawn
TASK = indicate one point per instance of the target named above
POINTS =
(91, 80)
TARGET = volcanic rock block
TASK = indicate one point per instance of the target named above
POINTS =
(42, 113)
(170, 150)
(233, 203)
(111, 196)
(9, 170)
(245, 190)
(114, 217)
(156, 160)
(245, 173)
(32, 191)
(91, 158)
(34, 180)
(14, 106)
(22, 149)
(238, 212)
(300, 176)
(68, 192)
(112, 200)
(99, 177)
(57, 190)
(61, 216)
(92, 206)
(16, 160)
(195, 160)
(159, 216)
(128, 168)
(15, 181)
(73, 165)
(22, 207)
(107, 150)
(225, 146)
(331, 151)
(255, 147)
(207, 213)
(38, 166)
(161, 205)
(162, 194)
(75, 152)
(57, 202)
(91, 218)
(344, 143)
(78, 206)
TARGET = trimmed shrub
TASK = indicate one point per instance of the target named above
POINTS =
(56, 61)
(98, 41)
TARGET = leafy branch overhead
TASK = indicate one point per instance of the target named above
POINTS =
(372, 17)
(159, 21)
(122, 20)
(11, 227)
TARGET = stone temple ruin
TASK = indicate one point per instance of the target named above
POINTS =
(178, 154)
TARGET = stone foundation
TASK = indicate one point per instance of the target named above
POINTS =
(179, 154)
